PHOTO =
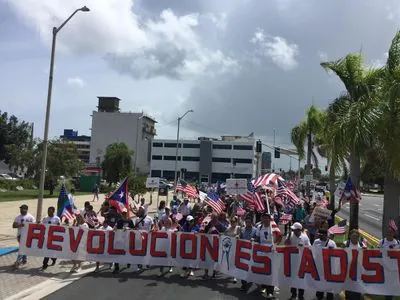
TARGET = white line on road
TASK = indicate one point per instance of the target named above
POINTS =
(372, 217)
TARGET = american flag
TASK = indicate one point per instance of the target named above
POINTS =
(215, 202)
(392, 225)
(339, 228)
(290, 185)
(350, 193)
(269, 179)
(186, 188)
(289, 198)
(253, 197)
(285, 219)
(66, 214)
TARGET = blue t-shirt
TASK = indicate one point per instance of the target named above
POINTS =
(248, 233)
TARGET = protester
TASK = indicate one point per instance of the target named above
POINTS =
(354, 242)
(268, 233)
(104, 227)
(71, 199)
(161, 210)
(300, 239)
(249, 233)
(167, 227)
(50, 219)
(324, 242)
(124, 223)
(189, 226)
(19, 222)
(95, 191)
(78, 222)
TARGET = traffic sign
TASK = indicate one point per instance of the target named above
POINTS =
(152, 182)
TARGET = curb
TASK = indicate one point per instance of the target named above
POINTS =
(369, 237)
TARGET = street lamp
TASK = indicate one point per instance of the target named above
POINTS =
(46, 123)
(177, 141)
(136, 144)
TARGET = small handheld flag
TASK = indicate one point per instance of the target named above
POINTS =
(63, 203)
(120, 197)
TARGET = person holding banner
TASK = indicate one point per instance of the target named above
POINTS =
(249, 233)
(124, 223)
(297, 237)
(268, 233)
(55, 220)
(19, 222)
(166, 227)
(78, 222)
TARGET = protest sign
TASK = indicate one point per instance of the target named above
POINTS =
(236, 186)
(320, 213)
(371, 271)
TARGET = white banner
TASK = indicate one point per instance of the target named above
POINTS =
(371, 271)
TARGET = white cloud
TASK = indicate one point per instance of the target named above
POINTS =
(76, 82)
(323, 56)
(277, 49)
(169, 46)
(219, 20)
(380, 62)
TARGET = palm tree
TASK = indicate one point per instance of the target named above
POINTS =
(388, 131)
(306, 132)
(352, 115)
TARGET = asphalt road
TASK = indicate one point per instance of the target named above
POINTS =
(370, 214)
(148, 286)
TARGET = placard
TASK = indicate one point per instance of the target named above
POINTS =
(340, 189)
(320, 213)
(236, 186)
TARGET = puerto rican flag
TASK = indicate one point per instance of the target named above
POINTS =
(350, 193)
(120, 198)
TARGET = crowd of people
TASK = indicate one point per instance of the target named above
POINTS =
(237, 219)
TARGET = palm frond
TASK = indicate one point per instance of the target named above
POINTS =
(298, 136)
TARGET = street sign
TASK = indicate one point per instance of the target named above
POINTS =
(236, 186)
(308, 178)
(152, 182)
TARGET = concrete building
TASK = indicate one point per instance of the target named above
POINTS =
(205, 159)
(109, 126)
(82, 143)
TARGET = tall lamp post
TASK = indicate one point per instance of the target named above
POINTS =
(46, 123)
(136, 144)
(177, 143)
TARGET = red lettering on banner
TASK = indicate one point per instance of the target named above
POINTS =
(206, 245)
(35, 232)
(239, 254)
(110, 248)
(353, 265)
(52, 237)
(184, 237)
(307, 265)
(393, 254)
(263, 259)
(74, 241)
(287, 252)
(102, 237)
(153, 243)
(327, 255)
(173, 245)
(379, 276)
(132, 250)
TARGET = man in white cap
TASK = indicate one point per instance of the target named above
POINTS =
(297, 237)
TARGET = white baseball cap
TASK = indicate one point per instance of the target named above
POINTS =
(297, 225)
(189, 218)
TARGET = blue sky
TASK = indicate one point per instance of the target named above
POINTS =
(243, 66)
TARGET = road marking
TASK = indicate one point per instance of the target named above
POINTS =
(372, 217)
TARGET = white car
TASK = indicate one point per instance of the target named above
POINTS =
(7, 177)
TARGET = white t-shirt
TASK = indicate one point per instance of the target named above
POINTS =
(384, 243)
(145, 224)
(51, 220)
(20, 219)
(352, 246)
(324, 244)
(265, 235)
(168, 230)
(145, 207)
(160, 213)
(184, 209)
(302, 240)
(71, 200)
(108, 228)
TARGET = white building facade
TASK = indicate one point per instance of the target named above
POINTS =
(204, 160)
(136, 130)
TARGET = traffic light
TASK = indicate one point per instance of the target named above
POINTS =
(258, 147)
(277, 152)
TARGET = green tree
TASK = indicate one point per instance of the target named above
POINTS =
(117, 163)
(136, 184)
(13, 132)
(352, 116)
(306, 132)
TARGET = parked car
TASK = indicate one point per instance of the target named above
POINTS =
(165, 185)
(7, 177)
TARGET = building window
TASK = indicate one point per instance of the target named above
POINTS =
(155, 173)
(190, 158)
(222, 146)
(242, 147)
(166, 157)
(221, 159)
(192, 146)
(171, 145)
(157, 145)
(156, 157)
(242, 161)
